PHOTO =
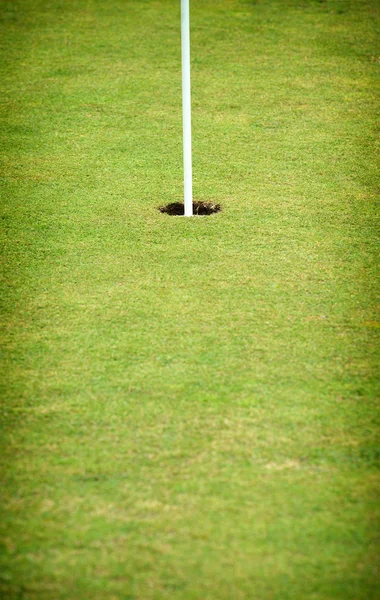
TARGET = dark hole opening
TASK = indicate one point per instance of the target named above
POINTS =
(199, 208)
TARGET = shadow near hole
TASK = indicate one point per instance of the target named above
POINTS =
(199, 208)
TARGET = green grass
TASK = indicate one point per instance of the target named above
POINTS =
(189, 405)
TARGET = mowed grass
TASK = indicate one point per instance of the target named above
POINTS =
(189, 405)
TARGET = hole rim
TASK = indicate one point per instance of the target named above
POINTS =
(200, 209)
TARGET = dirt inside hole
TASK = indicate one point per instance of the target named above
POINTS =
(199, 208)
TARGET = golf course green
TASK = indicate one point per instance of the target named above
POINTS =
(189, 405)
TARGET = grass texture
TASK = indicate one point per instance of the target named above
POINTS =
(189, 405)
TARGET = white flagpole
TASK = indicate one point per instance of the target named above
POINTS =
(186, 107)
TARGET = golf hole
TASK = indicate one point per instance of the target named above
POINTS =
(199, 208)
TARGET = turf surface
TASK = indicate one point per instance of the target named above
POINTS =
(189, 405)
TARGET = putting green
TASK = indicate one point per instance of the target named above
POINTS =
(189, 405)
